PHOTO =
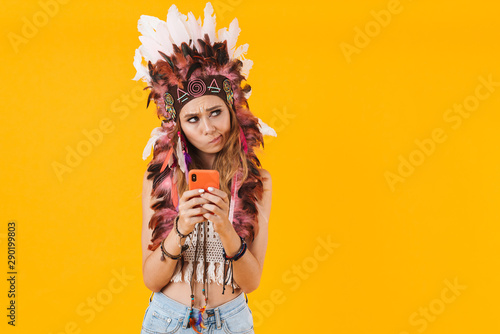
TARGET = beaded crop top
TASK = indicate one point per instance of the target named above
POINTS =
(215, 271)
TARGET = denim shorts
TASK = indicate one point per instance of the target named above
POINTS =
(165, 315)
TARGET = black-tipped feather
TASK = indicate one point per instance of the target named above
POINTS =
(167, 58)
(236, 65)
(202, 44)
(192, 68)
(186, 51)
(149, 99)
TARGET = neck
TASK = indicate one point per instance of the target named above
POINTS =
(207, 159)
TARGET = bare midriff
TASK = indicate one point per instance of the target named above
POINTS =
(181, 292)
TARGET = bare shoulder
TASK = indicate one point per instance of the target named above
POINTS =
(266, 178)
(146, 183)
(147, 213)
(265, 201)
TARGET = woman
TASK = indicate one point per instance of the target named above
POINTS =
(203, 239)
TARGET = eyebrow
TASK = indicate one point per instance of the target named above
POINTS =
(208, 109)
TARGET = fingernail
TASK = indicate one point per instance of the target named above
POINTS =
(210, 188)
(201, 190)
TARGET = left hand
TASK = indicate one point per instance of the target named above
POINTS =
(219, 209)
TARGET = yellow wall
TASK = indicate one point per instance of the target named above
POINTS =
(385, 169)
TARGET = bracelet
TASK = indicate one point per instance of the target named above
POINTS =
(240, 252)
(177, 229)
(167, 254)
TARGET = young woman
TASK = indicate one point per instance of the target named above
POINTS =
(203, 249)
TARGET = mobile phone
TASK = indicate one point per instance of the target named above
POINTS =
(203, 178)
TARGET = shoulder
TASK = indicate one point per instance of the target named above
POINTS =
(147, 185)
(266, 178)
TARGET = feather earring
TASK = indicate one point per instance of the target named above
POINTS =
(167, 160)
(182, 154)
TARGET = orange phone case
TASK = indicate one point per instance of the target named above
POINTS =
(203, 178)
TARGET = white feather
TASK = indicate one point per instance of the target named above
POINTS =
(145, 53)
(147, 25)
(163, 38)
(151, 47)
(247, 66)
(240, 51)
(232, 36)
(142, 72)
(194, 28)
(209, 22)
(247, 95)
(155, 135)
(159, 35)
(221, 34)
(180, 156)
(176, 24)
(266, 129)
(155, 29)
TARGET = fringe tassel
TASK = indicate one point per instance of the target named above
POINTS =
(189, 271)
(220, 274)
(211, 272)
(199, 272)
(177, 277)
(215, 273)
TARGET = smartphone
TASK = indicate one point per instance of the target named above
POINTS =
(203, 178)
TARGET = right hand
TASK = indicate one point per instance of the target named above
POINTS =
(190, 210)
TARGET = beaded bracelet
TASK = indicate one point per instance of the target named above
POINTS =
(240, 253)
(177, 230)
(167, 254)
(230, 275)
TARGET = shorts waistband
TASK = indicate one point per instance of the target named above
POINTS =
(180, 310)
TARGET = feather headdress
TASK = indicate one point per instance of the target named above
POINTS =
(173, 54)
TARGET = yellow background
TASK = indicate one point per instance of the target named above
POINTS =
(343, 123)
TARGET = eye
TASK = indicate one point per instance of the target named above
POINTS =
(218, 111)
(192, 118)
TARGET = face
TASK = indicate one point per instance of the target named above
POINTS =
(205, 122)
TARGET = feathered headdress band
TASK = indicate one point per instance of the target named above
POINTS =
(179, 96)
(177, 75)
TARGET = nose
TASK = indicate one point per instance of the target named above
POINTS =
(208, 127)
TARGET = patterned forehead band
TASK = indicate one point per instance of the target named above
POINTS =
(178, 96)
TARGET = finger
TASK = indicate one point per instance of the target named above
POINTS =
(195, 220)
(196, 212)
(188, 194)
(195, 202)
(220, 202)
(212, 208)
(209, 216)
(218, 192)
(191, 218)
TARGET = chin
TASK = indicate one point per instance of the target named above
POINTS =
(213, 151)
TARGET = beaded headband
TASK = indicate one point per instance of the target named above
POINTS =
(178, 96)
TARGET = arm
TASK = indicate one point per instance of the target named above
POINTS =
(248, 269)
(156, 273)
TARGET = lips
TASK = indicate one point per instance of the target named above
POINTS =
(216, 140)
